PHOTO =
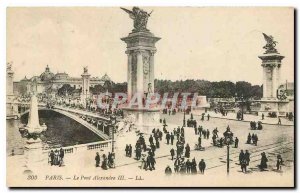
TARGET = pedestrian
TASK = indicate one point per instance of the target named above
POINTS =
(202, 166)
(244, 165)
(172, 151)
(168, 170)
(152, 162)
(168, 138)
(187, 151)
(249, 139)
(279, 162)
(263, 162)
(207, 134)
(279, 121)
(126, 150)
(172, 138)
(241, 157)
(130, 150)
(208, 116)
(61, 157)
(196, 130)
(236, 142)
(151, 139)
(157, 144)
(262, 116)
(188, 166)
(214, 140)
(204, 134)
(247, 157)
(97, 159)
(194, 166)
(255, 140)
(199, 142)
(176, 165)
(51, 157)
(104, 162)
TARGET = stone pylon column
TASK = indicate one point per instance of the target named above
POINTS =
(140, 52)
(85, 85)
(9, 80)
(271, 64)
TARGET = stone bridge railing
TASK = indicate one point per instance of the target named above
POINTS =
(83, 147)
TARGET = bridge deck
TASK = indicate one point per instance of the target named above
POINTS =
(83, 122)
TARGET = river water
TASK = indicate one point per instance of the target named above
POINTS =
(61, 131)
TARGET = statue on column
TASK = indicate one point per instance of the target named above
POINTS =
(271, 44)
(140, 18)
(85, 69)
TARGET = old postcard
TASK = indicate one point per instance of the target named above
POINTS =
(150, 97)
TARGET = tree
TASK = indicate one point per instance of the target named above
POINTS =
(65, 89)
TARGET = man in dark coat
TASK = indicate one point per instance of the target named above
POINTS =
(61, 156)
(241, 157)
(172, 151)
(187, 151)
(51, 157)
(247, 157)
(236, 142)
(172, 138)
(97, 158)
(188, 166)
(168, 138)
(126, 150)
(168, 170)
(151, 139)
(207, 134)
(263, 162)
(199, 142)
(244, 165)
(129, 150)
(202, 166)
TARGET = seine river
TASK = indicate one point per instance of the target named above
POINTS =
(61, 131)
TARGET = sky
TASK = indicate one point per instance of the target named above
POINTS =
(213, 44)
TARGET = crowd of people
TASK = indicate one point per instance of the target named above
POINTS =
(56, 157)
(252, 139)
(107, 161)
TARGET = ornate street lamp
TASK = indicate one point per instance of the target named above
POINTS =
(242, 98)
(184, 118)
(112, 123)
(228, 160)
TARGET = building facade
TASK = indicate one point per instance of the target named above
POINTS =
(48, 82)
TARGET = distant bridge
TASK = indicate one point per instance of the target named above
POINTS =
(92, 121)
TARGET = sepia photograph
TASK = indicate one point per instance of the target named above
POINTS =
(138, 96)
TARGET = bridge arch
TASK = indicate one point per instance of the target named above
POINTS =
(76, 118)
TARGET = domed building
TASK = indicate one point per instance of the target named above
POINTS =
(47, 75)
(50, 82)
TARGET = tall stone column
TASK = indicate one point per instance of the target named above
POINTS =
(85, 85)
(151, 73)
(140, 73)
(264, 82)
(129, 76)
(9, 80)
(274, 82)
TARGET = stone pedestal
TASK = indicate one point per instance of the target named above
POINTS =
(144, 119)
(140, 76)
(33, 154)
(271, 63)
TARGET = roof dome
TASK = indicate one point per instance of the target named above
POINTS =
(105, 78)
(47, 75)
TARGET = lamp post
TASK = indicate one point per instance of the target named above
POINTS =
(112, 123)
(184, 118)
(228, 160)
(242, 98)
